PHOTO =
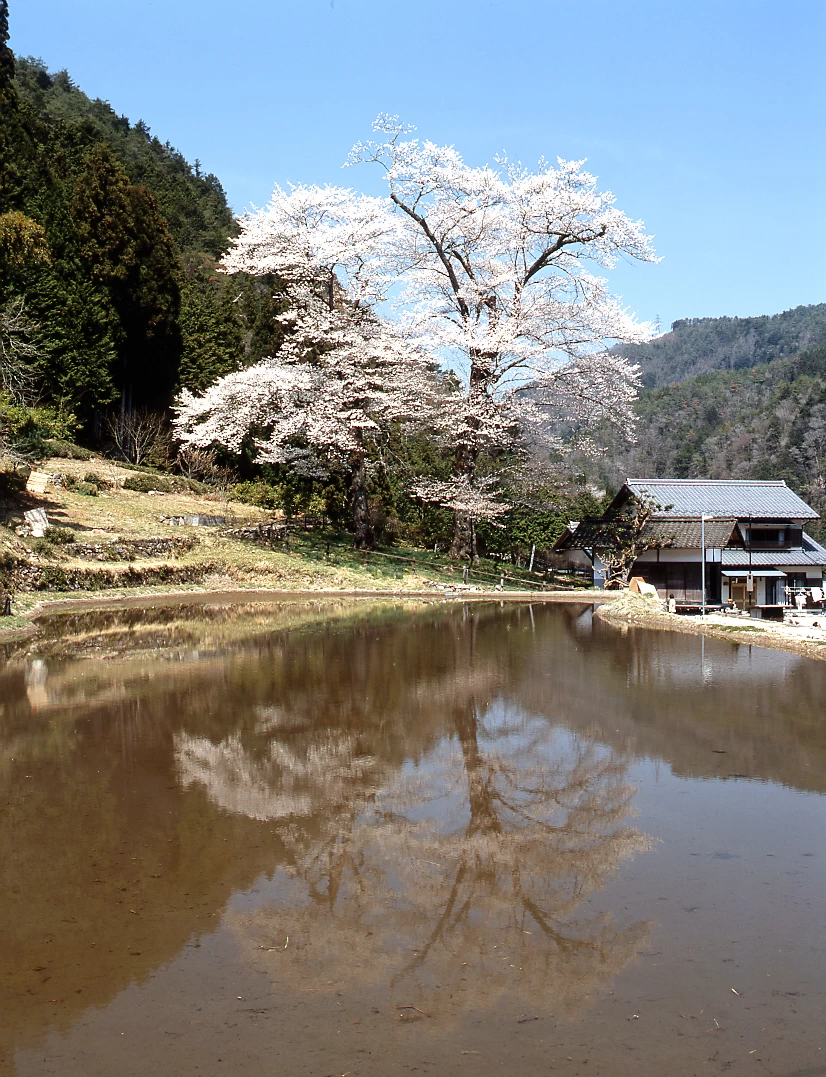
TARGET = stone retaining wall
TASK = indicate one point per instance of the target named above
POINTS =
(195, 521)
(130, 549)
(31, 577)
(261, 534)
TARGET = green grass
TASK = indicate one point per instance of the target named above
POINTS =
(396, 561)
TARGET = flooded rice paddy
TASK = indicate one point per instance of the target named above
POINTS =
(353, 838)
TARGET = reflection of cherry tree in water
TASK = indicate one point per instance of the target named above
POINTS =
(458, 883)
(433, 840)
(537, 840)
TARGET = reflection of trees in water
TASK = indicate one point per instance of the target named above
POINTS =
(461, 878)
(278, 785)
(384, 739)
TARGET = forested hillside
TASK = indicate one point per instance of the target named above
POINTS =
(109, 239)
(697, 345)
(192, 204)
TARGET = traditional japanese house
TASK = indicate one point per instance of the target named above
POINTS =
(750, 534)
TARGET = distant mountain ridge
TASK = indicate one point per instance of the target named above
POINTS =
(699, 345)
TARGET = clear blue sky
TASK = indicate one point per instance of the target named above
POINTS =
(706, 118)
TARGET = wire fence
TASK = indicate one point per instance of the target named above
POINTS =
(297, 529)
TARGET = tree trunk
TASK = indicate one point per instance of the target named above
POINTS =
(484, 818)
(461, 549)
(364, 537)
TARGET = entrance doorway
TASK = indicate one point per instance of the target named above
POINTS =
(738, 594)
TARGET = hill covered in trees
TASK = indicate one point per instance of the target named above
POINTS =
(697, 345)
(731, 398)
(109, 240)
(192, 204)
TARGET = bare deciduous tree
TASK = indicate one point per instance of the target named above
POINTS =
(136, 434)
(626, 536)
(18, 352)
(203, 466)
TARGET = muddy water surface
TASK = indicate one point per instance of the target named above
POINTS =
(374, 839)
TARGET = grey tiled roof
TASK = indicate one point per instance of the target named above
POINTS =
(742, 499)
(812, 553)
(586, 534)
(686, 532)
(682, 533)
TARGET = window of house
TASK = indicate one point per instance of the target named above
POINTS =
(768, 536)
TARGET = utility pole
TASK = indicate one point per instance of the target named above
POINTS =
(703, 566)
(750, 582)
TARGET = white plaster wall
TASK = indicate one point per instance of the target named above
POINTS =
(671, 555)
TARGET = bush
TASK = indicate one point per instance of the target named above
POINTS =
(66, 450)
(86, 488)
(261, 494)
(143, 483)
(13, 475)
(25, 430)
(58, 536)
(94, 479)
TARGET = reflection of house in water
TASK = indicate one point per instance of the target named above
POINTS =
(750, 534)
(671, 659)
(706, 707)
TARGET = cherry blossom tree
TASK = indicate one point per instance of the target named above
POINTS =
(494, 264)
(342, 374)
(492, 272)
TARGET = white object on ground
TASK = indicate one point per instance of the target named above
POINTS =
(37, 520)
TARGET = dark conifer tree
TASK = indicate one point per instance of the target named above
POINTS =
(213, 342)
(8, 113)
(96, 215)
(6, 55)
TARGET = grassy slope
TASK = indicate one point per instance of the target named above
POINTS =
(219, 562)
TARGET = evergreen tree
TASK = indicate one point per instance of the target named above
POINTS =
(127, 253)
(8, 112)
(6, 55)
(97, 219)
(212, 332)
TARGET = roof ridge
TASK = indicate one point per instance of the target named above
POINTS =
(712, 482)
